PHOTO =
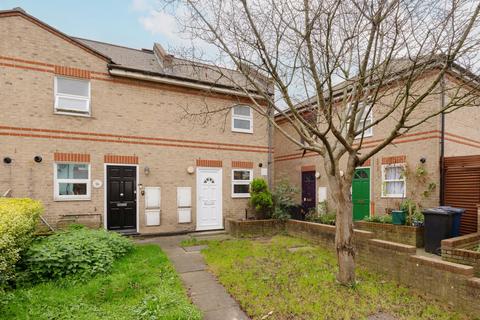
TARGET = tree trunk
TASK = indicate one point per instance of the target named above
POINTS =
(340, 191)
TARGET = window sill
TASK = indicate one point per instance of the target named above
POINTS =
(393, 197)
(68, 200)
(242, 131)
(75, 114)
(365, 136)
(240, 196)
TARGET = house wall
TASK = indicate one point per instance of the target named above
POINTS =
(462, 132)
(128, 118)
(422, 141)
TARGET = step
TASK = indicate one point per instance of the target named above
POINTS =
(127, 232)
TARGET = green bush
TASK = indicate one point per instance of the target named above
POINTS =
(79, 251)
(283, 200)
(379, 219)
(18, 219)
(261, 198)
(321, 214)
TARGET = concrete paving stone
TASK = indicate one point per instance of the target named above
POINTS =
(204, 289)
(198, 277)
(381, 316)
(225, 314)
(214, 300)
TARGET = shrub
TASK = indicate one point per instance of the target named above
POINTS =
(283, 200)
(18, 219)
(79, 251)
(323, 217)
(261, 198)
(379, 219)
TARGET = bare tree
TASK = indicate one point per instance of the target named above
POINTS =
(332, 62)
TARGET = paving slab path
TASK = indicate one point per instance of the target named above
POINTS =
(203, 287)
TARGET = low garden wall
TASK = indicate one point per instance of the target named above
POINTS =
(450, 282)
(462, 250)
(396, 233)
(254, 228)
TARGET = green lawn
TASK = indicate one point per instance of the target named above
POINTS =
(264, 276)
(142, 285)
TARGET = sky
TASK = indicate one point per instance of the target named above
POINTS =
(131, 23)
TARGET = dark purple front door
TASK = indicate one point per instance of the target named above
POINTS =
(308, 189)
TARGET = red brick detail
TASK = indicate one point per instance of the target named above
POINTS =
(71, 157)
(110, 158)
(393, 160)
(367, 163)
(242, 164)
(308, 168)
(72, 72)
(209, 163)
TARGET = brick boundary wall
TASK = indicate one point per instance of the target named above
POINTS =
(253, 228)
(452, 283)
(461, 250)
(396, 233)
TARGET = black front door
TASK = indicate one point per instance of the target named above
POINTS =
(121, 197)
(308, 189)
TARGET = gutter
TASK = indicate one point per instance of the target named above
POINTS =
(442, 143)
(164, 80)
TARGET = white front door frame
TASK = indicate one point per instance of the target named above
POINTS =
(219, 202)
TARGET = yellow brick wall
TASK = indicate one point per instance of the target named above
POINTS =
(128, 118)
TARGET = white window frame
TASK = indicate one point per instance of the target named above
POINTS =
(58, 95)
(369, 131)
(241, 182)
(57, 181)
(385, 181)
(240, 117)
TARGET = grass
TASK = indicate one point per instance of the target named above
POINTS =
(141, 285)
(192, 242)
(265, 277)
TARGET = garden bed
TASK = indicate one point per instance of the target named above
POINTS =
(463, 250)
(396, 233)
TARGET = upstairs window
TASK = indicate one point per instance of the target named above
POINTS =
(72, 96)
(242, 119)
(241, 179)
(366, 119)
(393, 181)
(72, 181)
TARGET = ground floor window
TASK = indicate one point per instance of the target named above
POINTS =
(72, 181)
(393, 181)
(241, 179)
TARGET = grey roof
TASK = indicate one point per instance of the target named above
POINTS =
(148, 61)
(136, 59)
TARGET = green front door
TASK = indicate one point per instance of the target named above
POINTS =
(361, 193)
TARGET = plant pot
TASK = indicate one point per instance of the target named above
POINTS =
(398, 217)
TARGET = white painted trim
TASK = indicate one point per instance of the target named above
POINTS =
(241, 182)
(393, 196)
(105, 192)
(220, 171)
(240, 117)
(210, 88)
(88, 182)
(72, 112)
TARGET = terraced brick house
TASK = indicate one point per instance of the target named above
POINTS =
(98, 133)
(435, 163)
